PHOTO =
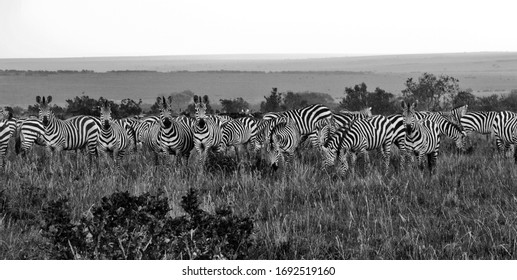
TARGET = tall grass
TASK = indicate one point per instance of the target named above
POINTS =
(468, 210)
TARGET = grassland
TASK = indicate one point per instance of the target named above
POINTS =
(468, 210)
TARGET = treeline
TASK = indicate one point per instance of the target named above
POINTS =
(433, 93)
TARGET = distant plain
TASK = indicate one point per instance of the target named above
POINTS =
(250, 77)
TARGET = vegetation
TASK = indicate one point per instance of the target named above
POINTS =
(466, 211)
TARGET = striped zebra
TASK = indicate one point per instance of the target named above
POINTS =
(169, 135)
(361, 136)
(447, 128)
(284, 139)
(455, 114)
(238, 133)
(207, 130)
(478, 122)
(422, 136)
(29, 132)
(7, 128)
(399, 136)
(71, 134)
(505, 131)
(305, 119)
(114, 137)
(141, 127)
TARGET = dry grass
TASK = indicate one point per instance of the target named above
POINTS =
(467, 211)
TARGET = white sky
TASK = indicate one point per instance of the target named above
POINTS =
(69, 28)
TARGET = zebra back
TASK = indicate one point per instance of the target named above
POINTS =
(479, 122)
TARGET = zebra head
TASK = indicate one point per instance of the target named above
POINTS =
(45, 114)
(274, 152)
(408, 112)
(165, 111)
(106, 118)
(200, 106)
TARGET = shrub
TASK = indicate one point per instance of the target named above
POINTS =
(139, 227)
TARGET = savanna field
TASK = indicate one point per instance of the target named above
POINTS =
(467, 210)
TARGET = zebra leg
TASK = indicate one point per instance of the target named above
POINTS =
(343, 163)
(420, 160)
(431, 161)
(386, 154)
(237, 153)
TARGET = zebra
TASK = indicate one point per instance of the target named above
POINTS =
(505, 131)
(284, 139)
(7, 128)
(70, 134)
(239, 132)
(114, 138)
(422, 136)
(28, 132)
(359, 137)
(207, 130)
(365, 113)
(450, 129)
(455, 114)
(399, 136)
(479, 122)
(141, 127)
(176, 135)
(169, 135)
(305, 119)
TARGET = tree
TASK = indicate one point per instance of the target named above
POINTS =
(236, 105)
(488, 103)
(272, 103)
(358, 98)
(355, 98)
(128, 107)
(464, 97)
(433, 93)
(294, 101)
(180, 102)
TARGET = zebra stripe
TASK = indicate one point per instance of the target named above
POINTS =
(361, 136)
(239, 132)
(70, 134)
(447, 128)
(505, 131)
(114, 138)
(28, 133)
(207, 129)
(7, 128)
(479, 122)
(422, 135)
(305, 119)
(399, 136)
(285, 138)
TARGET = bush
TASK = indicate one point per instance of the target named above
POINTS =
(139, 227)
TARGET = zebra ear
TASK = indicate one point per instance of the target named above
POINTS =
(38, 99)
(170, 99)
(205, 99)
(403, 104)
(196, 98)
(49, 99)
(413, 106)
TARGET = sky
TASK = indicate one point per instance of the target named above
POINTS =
(90, 28)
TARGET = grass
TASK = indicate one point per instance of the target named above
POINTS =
(468, 210)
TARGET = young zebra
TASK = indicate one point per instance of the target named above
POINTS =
(207, 130)
(7, 128)
(359, 137)
(29, 132)
(70, 134)
(305, 120)
(505, 131)
(284, 139)
(422, 136)
(114, 138)
(238, 133)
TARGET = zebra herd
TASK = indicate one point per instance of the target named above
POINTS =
(338, 136)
